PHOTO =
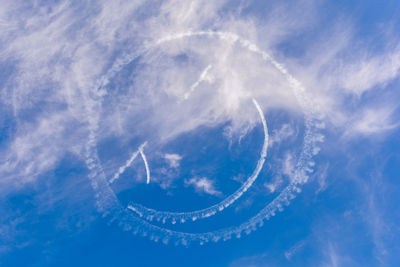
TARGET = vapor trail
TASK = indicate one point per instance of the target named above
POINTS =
(197, 83)
(145, 164)
(129, 162)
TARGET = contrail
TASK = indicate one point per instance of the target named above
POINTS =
(110, 206)
(197, 83)
(129, 162)
(145, 164)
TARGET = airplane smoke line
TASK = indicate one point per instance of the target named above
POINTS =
(202, 77)
(108, 203)
(173, 217)
(157, 233)
(146, 164)
(129, 162)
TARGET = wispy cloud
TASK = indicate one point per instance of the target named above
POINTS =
(173, 160)
(56, 61)
(374, 121)
(53, 55)
(281, 134)
(203, 185)
(294, 249)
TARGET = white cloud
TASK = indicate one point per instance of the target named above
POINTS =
(57, 52)
(36, 147)
(173, 160)
(203, 185)
(322, 175)
(288, 165)
(259, 260)
(281, 134)
(369, 71)
(333, 259)
(294, 249)
(373, 121)
(271, 186)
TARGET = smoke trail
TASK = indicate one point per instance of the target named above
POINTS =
(129, 162)
(145, 164)
(303, 167)
(150, 214)
(197, 83)
(307, 104)
(108, 203)
(107, 200)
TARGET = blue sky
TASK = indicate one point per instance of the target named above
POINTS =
(263, 133)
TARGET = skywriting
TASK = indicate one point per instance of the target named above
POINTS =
(199, 133)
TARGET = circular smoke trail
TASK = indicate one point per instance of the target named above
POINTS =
(109, 205)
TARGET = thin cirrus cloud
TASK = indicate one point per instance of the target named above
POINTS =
(203, 185)
(53, 34)
(173, 160)
(54, 54)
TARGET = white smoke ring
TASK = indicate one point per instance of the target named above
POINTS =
(108, 203)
